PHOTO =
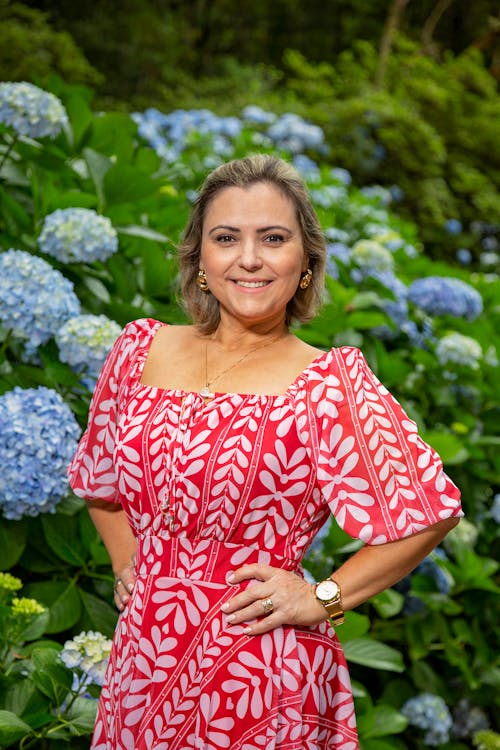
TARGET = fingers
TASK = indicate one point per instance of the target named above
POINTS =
(123, 586)
(278, 597)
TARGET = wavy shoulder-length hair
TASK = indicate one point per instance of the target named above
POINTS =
(202, 306)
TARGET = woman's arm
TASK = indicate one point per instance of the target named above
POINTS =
(368, 572)
(114, 530)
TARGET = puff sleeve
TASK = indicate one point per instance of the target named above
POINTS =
(381, 481)
(91, 473)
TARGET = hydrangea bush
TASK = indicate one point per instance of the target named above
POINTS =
(115, 200)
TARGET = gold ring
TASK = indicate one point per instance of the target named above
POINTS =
(117, 583)
(267, 605)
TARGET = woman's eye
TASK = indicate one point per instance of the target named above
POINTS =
(225, 238)
(275, 238)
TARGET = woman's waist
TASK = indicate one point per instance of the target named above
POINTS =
(203, 559)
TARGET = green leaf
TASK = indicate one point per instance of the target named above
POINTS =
(98, 165)
(13, 536)
(11, 728)
(145, 233)
(449, 447)
(388, 603)
(82, 715)
(50, 675)
(372, 653)
(355, 626)
(101, 615)
(62, 535)
(63, 602)
(363, 320)
(36, 628)
(385, 720)
(124, 184)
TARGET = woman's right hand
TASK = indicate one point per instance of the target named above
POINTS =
(124, 585)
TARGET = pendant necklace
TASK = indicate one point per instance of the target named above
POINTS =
(206, 392)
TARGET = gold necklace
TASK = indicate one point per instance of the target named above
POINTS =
(205, 392)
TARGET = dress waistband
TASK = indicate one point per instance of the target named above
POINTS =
(201, 559)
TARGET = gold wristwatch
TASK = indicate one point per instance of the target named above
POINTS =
(328, 593)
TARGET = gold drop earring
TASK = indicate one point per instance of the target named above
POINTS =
(202, 280)
(306, 279)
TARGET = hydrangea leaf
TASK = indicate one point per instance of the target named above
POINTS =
(372, 653)
(12, 542)
(12, 728)
(63, 601)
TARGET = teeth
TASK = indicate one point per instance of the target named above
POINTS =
(252, 284)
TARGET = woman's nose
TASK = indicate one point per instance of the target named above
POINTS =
(250, 256)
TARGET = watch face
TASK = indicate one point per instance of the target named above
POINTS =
(327, 591)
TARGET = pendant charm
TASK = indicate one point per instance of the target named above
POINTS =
(206, 393)
(168, 516)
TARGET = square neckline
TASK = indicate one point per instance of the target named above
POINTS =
(181, 392)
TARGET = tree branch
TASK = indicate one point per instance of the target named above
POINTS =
(391, 26)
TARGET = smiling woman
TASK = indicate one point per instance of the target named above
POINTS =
(213, 455)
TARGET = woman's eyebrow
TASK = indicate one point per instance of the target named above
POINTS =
(260, 231)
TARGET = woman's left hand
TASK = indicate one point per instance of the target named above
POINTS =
(278, 597)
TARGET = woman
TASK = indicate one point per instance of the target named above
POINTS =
(214, 453)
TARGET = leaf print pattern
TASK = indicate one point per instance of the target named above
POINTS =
(247, 479)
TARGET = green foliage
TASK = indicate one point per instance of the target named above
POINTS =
(430, 130)
(30, 49)
(447, 646)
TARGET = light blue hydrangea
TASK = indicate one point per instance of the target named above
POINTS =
(441, 295)
(169, 134)
(307, 168)
(453, 226)
(341, 175)
(430, 713)
(87, 652)
(31, 111)
(495, 508)
(35, 299)
(84, 342)
(294, 134)
(371, 255)
(328, 196)
(459, 349)
(77, 235)
(255, 114)
(464, 256)
(38, 437)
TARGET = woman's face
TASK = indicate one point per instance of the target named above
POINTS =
(252, 252)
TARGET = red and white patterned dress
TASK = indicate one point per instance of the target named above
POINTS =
(247, 478)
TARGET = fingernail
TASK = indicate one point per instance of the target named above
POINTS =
(224, 606)
(130, 587)
(247, 631)
(229, 618)
(231, 578)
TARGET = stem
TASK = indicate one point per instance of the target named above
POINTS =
(391, 26)
(432, 21)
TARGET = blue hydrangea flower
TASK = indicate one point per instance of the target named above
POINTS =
(35, 299)
(464, 256)
(77, 235)
(257, 115)
(341, 175)
(453, 226)
(294, 134)
(328, 196)
(31, 111)
(441, 295)
(430, 713)
(307, 167)
(38, 437)
(459, 349)
(495, 508)
(84, 342)
(468, 719)
(88, 653)
(169, 134)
